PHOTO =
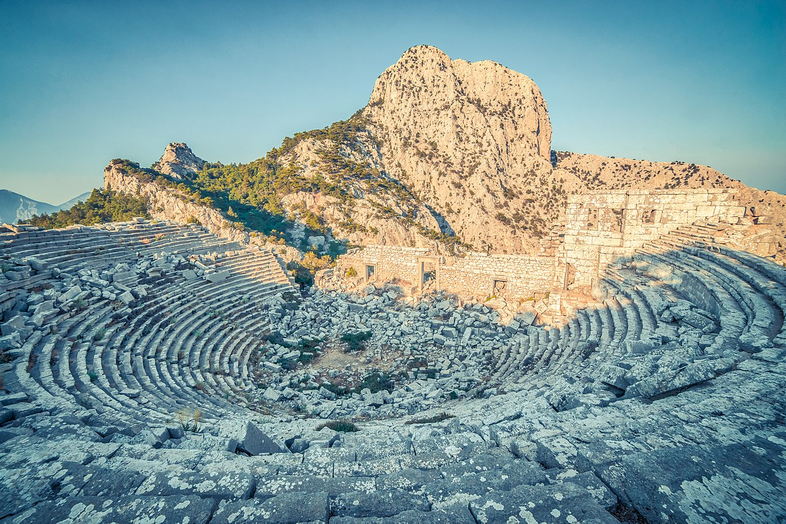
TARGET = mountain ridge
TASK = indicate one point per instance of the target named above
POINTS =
(447, 154)
(15, 207)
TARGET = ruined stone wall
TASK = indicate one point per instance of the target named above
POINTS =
(602, 226)
(474, 274)
(388, 262)
(515, 276)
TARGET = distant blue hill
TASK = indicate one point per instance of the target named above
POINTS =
(70, 203)
(16, 208)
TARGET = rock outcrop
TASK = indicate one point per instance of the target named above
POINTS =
(471, 141)
(178, 161)
(460, 108)
(166, 203)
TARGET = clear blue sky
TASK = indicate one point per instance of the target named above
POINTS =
(84, 82)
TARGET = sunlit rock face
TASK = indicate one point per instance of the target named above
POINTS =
(178, 161)
(171, 370)
(469, 138)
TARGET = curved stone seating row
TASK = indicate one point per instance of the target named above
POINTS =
(740, 291)
(186, 345)
(749, 292)
(549, 444)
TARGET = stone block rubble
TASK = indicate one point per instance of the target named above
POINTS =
(152, 371)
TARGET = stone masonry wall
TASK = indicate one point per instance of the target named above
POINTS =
(388, 262)
(474, 274)
(602, 226)
(518, 276)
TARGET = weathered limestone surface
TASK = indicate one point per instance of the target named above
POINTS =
(179, 161)
(603, 226)
(138, 385)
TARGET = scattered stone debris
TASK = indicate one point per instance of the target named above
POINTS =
(135, 386)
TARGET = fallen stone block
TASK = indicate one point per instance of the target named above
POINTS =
(13, 326)
(271, 394)
(12, 341)
(218, 276)
(254, 442)
(35, 263)
(639, 347)
(124, 276)
(72, 293)
(126, 297)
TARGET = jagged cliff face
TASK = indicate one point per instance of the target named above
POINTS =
(372, 209)
(470, 142)
(178, 161)
(476, 116)
(473, 140)
(167, 203)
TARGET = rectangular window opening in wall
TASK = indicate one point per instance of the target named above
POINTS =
(500, 287)
(370, 271)
(649, 216)
(592, 218)
(616, 220)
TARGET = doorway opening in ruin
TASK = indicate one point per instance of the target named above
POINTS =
(370, 271)
(615, 225)
(428, 272)
(569, 276)
(500, 287)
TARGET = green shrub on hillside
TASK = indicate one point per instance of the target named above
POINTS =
(342, 426)
(251, 195)
(356, 341)
(101, 206)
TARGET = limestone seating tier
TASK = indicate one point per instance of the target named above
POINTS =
(663, 401)
(98, 374)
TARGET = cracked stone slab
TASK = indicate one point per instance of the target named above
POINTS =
(272, 485)
(551, 504)
(738, 482)
(219, 485)
(376, 504)
(281, 509)
(178, 510)
(452, 516)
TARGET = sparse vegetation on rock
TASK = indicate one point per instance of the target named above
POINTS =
(102, 206)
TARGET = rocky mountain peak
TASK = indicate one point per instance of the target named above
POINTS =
(451, 101)
(178, 161)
